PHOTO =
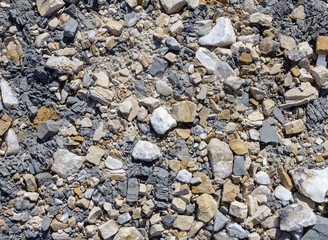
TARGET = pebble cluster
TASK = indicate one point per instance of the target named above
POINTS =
(163, 119)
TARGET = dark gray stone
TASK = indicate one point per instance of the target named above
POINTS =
(124, 218)
(46, 223)
(190, 209)
(173, 44)
(278, 115)
(219, 221)
(70, 28)
(133, 190)
(47, 130)
(268, 133)
(168, 220)
(239, 166)
(141, 90)
(319, 231)
(158, 67)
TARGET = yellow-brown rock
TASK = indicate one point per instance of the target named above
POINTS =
(284, 178)
(184, 111)
(207, 207)
(238, 146)
(5, 123)
(15, 52)
(322, 45)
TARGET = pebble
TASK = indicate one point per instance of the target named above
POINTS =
(162, 121)
(12, 142)
(66, 163)
(146, 151)
(9, 100)
(184, 176)
(262, 178)
(207, 207)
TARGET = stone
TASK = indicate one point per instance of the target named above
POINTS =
(163, 88)
(114, 27)
(294, 127)
(128, 233)
(235, 230)
(11, 142)
(235, 83)
(124, 218)
(156, 230)
(238, 146)
(239, 168)
(195, 227)
(295, 217)
(9, 100)
(178, 205)
(322, 45)
(284, 178)
(47, 130)
(261, 19)
(207, 207)
(219, 221)
(268, 106)
(132, 3)
(101, 95)
(298, 13)
(268, 133)
(319, 231)
(246, 58)
(221, 158)
(320, 75)
(31, 185)
(168, 220)
(172, 44)
(146, 151)
(41, 39)
(61, 64)
(5, 123)
(221, 35)
(70, 28)
(184, 176)
(262, 178)
(158, 67)
(312, 183)
(66, 163)
(184, 111)
(15, 52)
(162, 121)
(238, 210)
(133, 190)
(94, 155)
(268, 46)
(173, 6)
(108, 229)
(303, 50)
(287, 42)
(131, 19)
(183, 222)
(48, 7)
(205, 186)
(203, 27)
(283, 193)
(261, 213)
(213, 64)
(113, 163)
(257, 93)
(94, 214)
(229, 192)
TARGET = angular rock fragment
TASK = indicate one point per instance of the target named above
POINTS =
(146, 151)
(70, 28)
(319, 231)
(162, 121)
(66, 163)
(158, 68)
(207, 207)
(11, 142)
(173, 6)
(48, 7)
(47, 130)
(9, 100)
(108, 229)
(184, 111)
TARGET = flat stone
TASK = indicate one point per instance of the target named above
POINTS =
(287, 42)
(101, 95)
(203, 27)
(183, 222)
(239, 168)
(184, 111)
(235, 83)
(221, 35)
(70, 28)
(66, 163)
(262, 178)
(268, 133)
(5, 123)
(94, 214)
(207, 207)
(303, 50)
(261, 19)
(11, 142)
(162, 121)
(158, 67)
(283, 193)
(284, 178)
(114, 27)
(30, 183)
(113, 163)
(127, 233)
(320, 75)
(95, 154)
(163, 88)
(178, 205)
(298, 13)
(221, 158)
(294, 127)
(229, 192)
(235, 230)
(184, 176)
(61, 64)
(146, 151)
(108, 229)
(48, 7)
(9, 100)
(173, 6)
(238, 146)
(133, 190)
(172, 44)
(219, 221)
(47, 130)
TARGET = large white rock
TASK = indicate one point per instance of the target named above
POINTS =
(173, 6)
(66, 163)
(213, 64)
(262, 178)
(113, 163)
(184, 176)
(311, 183)
(295, 217)
(8, 98)
(283, 193)
(221, 158)
(64, 65)
(11, 142)
(221, 35)
(162, 121)
(146, 151)
(302, 50)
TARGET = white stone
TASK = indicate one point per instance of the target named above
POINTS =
(8, 98)
(203, 27)
(184, 176)
(262, 178)
(113, 163)
(221, 35)
(213, 64)
(162, 121)
(238, 210)
(321, 61)
(146, 151)
(312, 183)
(302, 50)
(126, 233)
(92, 36)
(173, 6)
(261, 19)
(132, 3)
(11, 142)
(283, 193)
(163, 89)
(62, 64)
(66, 163)
(193, 3)
(108, 229)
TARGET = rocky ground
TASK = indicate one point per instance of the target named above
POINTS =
(163, 119)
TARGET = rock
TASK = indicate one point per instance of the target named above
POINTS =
(47, 130)
(213, 64)
(284, 178)
(133, 190)
(184, 111)
(312, 183)
(295, 217)
(113, 163)
(48, 7)
(156, 230)
(195, 227)
(146, 151)
(150, 103)
(163, 89)
(8, 98)
(173, 6)
(322, 45)
(131, 19)
(262, 178)
(294, 127)
(229, 192)
(207, 207)
(11, 142)
(261, 19)
(173, 44)
(246, 58)
(178, 205)
(15, 52)
(283, 193)
(298, 13)
(235, 230)
(108, 229)
(184, 176)
(239, 166)
(219, 221)
(41, 39)
(128, 233)
(124, 218)
(94, 214)
(222, 34)
(320, 74)
(101, 95)
(30, 183)
(235, 83)
(61, 64)
(114, 27)
(203, 27)
(268, 133)
(238, 210)
(70, 28)
(162, 121)
(205, 186)
(132, 3)
(94, 155)
(66, 163)
(158, 68)
(5, 123)
(319, 231)
(221, 158)
(257, 93)
(183, 222)
(261, 213)
(168, 220)
(287, 42)
(303, 50)
(268, 46)
(268, 106)
(238, 146)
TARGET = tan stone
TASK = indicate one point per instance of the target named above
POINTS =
(203, 115)
(224, 114)
(182, 133)
(229, 192)
(183, 222)
(178, 205)
(284, 177)
(5, 123)
(238, 210)
(322, 45)
(30, 183)
(48, 7)
(114, 28)
(95, 154)
(14, 52)
(184, 111)
(246, 58)
(298, 13)
(207, 207)
(205, 186)
(268, 106)
(238, 146)
(294, 127)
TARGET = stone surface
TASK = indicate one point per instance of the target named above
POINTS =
(239, 168)
(95, 154)
(235, 230)
(12, 142)
(158, 68)
(294, 127)
(207, 207)
(261, 19)
(146, 151)
(162, 121)
(48, 7)
(268, 133)
(219, 221)
(238, 146)
(47, 130)
(173, 6)
(9, 100)
(108, 229)
(262, 178)
(283, 193)
(184, 176)
(184, 111)
(238, 210)
(303, 50)
(183, 222)
(113, 163)
(66, 163)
